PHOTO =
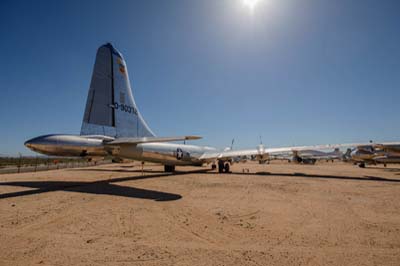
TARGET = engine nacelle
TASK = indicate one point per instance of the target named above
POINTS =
(298, 159)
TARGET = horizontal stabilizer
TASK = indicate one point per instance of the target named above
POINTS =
(122, 141)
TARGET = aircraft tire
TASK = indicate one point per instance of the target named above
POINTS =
(226, 168)
(221, 166)
(169, 168)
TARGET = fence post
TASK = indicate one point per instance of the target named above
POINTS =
(36, 162)
(19, 162)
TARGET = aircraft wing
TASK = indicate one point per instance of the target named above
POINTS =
(209, 156)
(265, 152)
(122, 141)
(388, 145)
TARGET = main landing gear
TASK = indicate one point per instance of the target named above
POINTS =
(169, 168)
(223, 167)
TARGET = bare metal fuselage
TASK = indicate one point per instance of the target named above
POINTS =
(96, 146)
(384, 154)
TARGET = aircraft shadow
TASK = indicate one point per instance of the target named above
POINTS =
(117, 170)
(105, 187)
(209, 171)
(365, 178)
(387, 169)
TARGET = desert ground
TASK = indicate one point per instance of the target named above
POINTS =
(277, 214)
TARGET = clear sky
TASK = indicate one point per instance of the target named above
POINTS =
(295, 72)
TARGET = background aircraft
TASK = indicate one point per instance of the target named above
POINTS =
(311, 156)
(383, 153)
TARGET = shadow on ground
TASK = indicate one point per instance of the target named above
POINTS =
(296, 174)
(105, 187)
(357, 178)
(117, 170)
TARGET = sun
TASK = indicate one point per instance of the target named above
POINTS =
(251, 4)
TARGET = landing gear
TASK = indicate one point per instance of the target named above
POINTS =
(213, 166)
(223, 167)
(297, 159)
(361, 165)
(169, 168)
(226, 168)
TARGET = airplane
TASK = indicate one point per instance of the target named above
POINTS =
(383, 153)
(312, 156)
(308, 156)
(315, 155)
(113, 126)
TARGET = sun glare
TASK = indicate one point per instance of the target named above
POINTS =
(250, 4)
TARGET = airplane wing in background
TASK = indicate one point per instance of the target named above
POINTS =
(264, 153)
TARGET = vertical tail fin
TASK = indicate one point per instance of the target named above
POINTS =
(110, 107)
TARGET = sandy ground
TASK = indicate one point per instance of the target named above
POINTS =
(279, 214)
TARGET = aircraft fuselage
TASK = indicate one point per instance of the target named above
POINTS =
(96, 146)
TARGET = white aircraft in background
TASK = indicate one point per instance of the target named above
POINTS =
(113, 126)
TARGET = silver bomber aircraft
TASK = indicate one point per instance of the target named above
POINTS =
(113, 126)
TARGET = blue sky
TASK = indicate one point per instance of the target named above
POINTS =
(294, 72)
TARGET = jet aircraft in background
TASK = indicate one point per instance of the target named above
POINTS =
(113, 126)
